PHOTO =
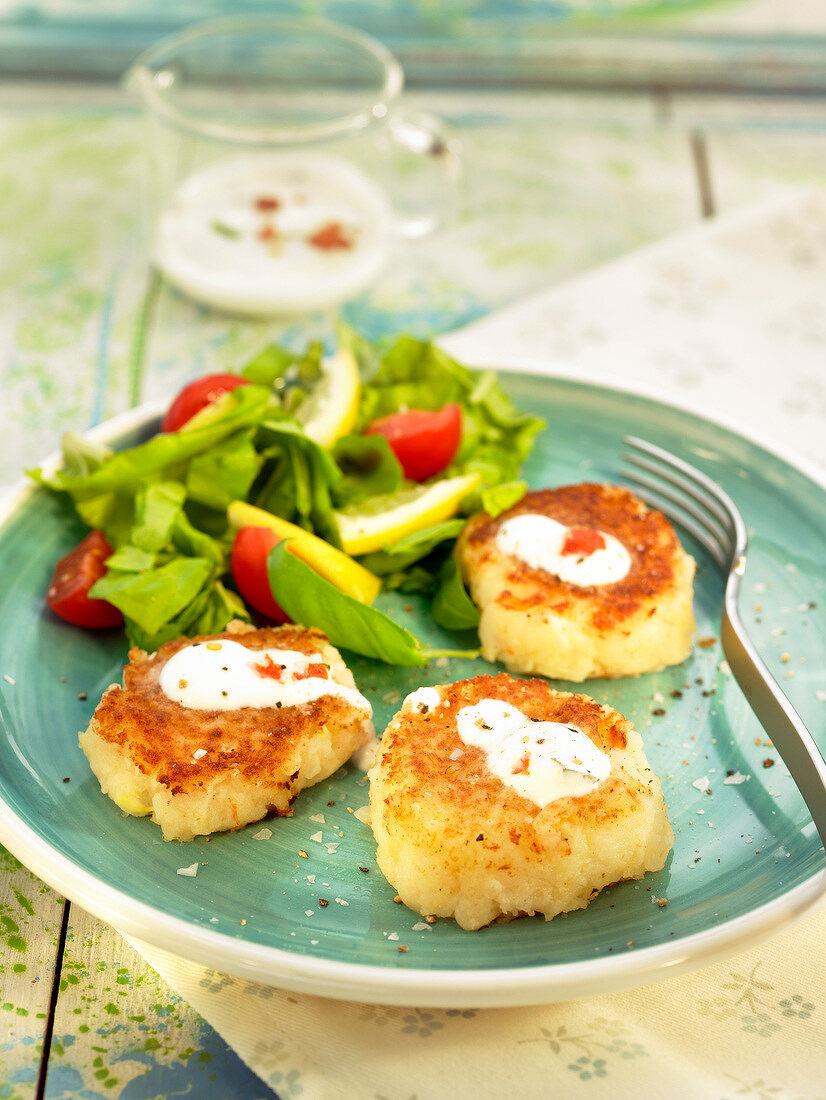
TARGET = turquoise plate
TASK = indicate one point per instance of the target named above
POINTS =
(747, 859)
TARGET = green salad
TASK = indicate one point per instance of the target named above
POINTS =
(163, 509)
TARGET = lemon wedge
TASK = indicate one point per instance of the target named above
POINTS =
(331, 409)
(332, 564)
(395, 515)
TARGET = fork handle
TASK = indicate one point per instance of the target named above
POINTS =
(778, 717)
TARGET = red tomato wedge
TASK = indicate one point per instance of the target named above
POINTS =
(424, 442)
(68, 592)
(196, 396)
(249, 568)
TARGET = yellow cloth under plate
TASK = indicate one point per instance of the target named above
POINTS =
(750, 1027)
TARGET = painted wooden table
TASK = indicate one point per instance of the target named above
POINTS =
(554, 185)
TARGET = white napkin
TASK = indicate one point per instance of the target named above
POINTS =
(729, 319)
(751, 1026)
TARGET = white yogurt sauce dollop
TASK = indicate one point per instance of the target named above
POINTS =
(423, 699)
(538, 540)
(225, 675)
(542, 761)
(215, 243)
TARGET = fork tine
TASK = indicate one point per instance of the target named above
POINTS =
(710, 514)
(697, 485)
(717, 502)
(691, 519)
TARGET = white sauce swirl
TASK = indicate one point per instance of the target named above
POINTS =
(542, 761)
(538, 541)
(225, 675)
(423, 699)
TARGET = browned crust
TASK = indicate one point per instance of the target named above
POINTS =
(159, 736)
(417, 768)
(646, 534)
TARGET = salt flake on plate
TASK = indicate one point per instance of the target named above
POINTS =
(736, 778)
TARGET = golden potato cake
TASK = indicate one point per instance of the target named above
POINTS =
(211, 733)
(495, 798)
(578, 582)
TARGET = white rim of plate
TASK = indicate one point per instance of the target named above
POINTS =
(455, 988)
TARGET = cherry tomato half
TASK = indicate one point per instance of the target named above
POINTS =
(68, 592)
(196, 396)
(249, 568)
(424, 442)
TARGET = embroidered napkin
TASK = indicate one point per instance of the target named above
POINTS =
(750, 1027)
(729, 319)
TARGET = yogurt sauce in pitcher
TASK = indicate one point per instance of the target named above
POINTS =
(275, 234)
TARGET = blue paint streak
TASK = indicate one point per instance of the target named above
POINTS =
(65, 1083)
(222, 1076)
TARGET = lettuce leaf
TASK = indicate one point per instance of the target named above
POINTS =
(497, 436)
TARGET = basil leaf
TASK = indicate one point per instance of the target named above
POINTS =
(369, 467)
(268, 365)
(297, 479)
(290, 375)
(412, 548)
(310, 599)
(452, 606)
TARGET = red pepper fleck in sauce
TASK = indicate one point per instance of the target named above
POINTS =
(315, 669)
(267, 203)
(522, 767)
(329, 236)
(582, 540)
(268, 669)
(267, 233)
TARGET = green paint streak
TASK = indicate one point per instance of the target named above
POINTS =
(24, 903)
(9, 924)
(21, 1011)
(19, 968)
(17, 942)
(113, 1010)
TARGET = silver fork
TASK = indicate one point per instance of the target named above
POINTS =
(708, 513)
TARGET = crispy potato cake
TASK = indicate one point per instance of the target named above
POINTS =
(498, 798)
(578, 582)
(214, 732)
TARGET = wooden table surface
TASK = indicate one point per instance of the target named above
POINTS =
(554, 184)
